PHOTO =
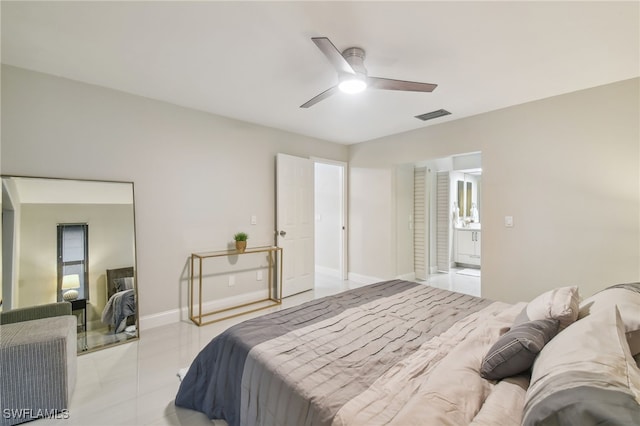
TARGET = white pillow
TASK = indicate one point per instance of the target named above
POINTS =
(560, 303)
(627, 298)
(585, 375)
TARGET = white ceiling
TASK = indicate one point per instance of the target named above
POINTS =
(254, 61)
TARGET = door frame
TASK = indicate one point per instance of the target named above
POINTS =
(344, 235)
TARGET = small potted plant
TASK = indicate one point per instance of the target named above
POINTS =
(241, 241)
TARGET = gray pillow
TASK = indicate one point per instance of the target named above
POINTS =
(516, 350)
(122, 284)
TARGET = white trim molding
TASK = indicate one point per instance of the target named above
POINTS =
(182, 314)
(329, 272)
(411, 276)
(363, 279)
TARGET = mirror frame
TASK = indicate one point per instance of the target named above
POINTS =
(134, 259)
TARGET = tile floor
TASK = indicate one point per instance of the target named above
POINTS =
(455, 281)
(136, 383)
(94, 339)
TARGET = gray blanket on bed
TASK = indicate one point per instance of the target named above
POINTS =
(118, 308)
(346, 342)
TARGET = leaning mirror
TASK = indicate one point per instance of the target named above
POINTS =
(72, 240)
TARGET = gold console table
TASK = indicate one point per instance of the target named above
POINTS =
(275, 294)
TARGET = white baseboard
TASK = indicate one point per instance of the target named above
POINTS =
(433, 270)
(161, 318)
(363, 279)
(329, 272)
(176, 315)
(411, 276)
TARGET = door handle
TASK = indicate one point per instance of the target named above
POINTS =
(283, 233)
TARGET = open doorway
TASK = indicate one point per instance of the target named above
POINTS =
(330, 218)
(311, 218)
(447, 227)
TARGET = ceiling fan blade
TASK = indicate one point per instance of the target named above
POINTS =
(389, 84)
(320, 97)
(333, 55)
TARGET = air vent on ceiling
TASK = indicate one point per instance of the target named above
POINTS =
(433, 114)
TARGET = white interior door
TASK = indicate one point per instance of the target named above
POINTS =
(295, 222)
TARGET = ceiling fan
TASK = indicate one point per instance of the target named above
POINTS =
(353, 76)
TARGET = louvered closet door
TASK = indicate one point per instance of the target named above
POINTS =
(443, 245)
(420, 239)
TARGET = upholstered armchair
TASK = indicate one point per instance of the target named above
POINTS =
(35, 312)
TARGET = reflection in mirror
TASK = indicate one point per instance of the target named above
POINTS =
(468, 191)
(72, 240)
(465, 198)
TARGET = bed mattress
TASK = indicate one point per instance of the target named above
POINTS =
(395, 352)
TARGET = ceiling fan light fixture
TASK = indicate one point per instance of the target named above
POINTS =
(352, 85)
(353, 76)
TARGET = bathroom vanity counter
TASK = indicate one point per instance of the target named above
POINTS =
(467, 240)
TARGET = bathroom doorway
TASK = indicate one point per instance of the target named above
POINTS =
(441, 227)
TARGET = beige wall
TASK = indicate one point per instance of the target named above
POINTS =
(566, 168)
(371, 223)
(198, 177)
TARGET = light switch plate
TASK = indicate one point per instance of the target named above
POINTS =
(254, 220)
(508, 221)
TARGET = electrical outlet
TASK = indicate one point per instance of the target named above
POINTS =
(258, 275)
(232, 280)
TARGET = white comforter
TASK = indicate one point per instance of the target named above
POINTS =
(441, 385)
